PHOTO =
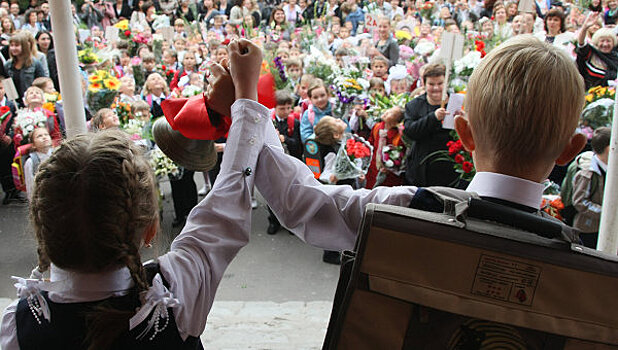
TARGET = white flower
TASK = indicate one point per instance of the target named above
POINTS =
(395, 154)
(385, 149)
(389, 163)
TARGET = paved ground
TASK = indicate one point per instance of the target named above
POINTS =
(276, 294)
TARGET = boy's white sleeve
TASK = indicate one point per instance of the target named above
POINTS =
(322, 215)
(219, 226)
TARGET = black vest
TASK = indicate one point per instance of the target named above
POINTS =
(68, 329)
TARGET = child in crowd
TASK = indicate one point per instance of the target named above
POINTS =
(41, 150)
(379, 67)
(179, 28)
(34, 99)
(588, 188)
(104, 119)
(127, 90)
(189, 65)
(154, 92)
(180, 46)
(217, 27)
(294, 70)
(376, 87)
(47, 85)
(220, 54)
(320, 106)
(302, 98)
(141, 110)
(148, 64)
(91, 224)
(170, 60)
(386, 133)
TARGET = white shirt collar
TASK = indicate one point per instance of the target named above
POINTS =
(73, 287)
(508, 188)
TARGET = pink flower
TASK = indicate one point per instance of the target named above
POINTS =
(397, 162)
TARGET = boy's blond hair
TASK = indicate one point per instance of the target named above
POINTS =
(325, 131)
(523, 103)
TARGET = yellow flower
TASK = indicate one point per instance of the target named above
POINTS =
(589, 98)
(49, 106)
(602, 91)
(94, 78)
(402, 34)
(122, 25)
(112, 83)
(95, 87)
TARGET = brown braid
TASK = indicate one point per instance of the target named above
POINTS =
(92, 202)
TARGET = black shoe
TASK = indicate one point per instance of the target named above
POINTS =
(331, 257)
(177, 222)
(273, 228)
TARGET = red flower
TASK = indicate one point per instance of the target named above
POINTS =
(450, 143)
(467, 167)
(164, 68)
(4, 109)
(459, 159)
(127, 33)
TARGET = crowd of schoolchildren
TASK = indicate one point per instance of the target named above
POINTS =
(163, 49)
(521, 116)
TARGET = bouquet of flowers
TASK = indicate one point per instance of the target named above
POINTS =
(277, 70)
(380, 104)
(102, 89)
(464, 66)
(5, 114)
(87, 56)
(461, 159)
(123, 111)
(163, 166)
(552, 205)
(26, 121)
(353, 158)
(191, 90)
(425, 47)
(598, 110)
(427, 10)
(393, 159)
(319, 65)
(135, 128)
(348, 85)
(166, 73)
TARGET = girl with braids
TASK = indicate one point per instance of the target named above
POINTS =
(93, 208)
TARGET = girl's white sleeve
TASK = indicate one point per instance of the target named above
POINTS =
(219, 226)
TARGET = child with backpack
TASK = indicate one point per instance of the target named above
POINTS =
(588, 187)
(94, 206)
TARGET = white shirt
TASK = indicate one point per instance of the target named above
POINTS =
(509, 188)
(216, 229)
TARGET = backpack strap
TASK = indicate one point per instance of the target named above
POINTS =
(463, 205)
(36, 160)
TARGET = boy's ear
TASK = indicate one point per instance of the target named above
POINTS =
(465, 133)
(572, 148)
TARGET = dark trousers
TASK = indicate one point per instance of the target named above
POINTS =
(272, 218)
(7, 152)
(184, 194)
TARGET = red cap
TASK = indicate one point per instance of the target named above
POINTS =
(190, 117)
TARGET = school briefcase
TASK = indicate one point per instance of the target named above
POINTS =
(462, 280)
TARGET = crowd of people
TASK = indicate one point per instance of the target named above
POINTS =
(354, 91)
(369, 68)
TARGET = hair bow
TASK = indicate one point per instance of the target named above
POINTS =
(158, 298)
(30, 289)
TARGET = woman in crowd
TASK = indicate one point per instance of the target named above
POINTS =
(501, 26)
(31, 23)
(22, 67)
(555, 29)
(239, 12)
(597, 61)
(386, 45)
(209, 11)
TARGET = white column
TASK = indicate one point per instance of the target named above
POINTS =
(608, 232)
(68, 71)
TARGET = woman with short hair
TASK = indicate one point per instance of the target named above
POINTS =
(596, 61)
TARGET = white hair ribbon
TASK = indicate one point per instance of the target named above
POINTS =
(158, 298)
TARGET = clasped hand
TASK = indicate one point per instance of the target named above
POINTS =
(235, 78)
